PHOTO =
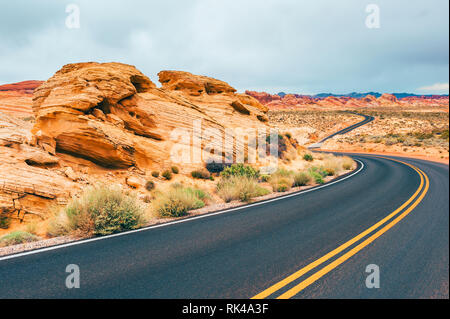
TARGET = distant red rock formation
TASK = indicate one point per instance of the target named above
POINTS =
(26, 87)
(274, 101)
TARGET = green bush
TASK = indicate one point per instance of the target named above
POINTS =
(150, 185)
(100, 210)
(155, 173)
(318, 170)
(179, 200)
(175, 169)
(17, 237)
(167, 175)
(318, 178)
(264, 178)
(214, 167)
(308, 157)
(201, 174)
(241, 188)
(240, 170)
(5, 221)
(301, 179)
(282, 187)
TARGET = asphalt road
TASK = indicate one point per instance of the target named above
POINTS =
(241, 253)
(367, 119)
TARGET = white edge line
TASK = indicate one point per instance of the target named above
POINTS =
(84, 241)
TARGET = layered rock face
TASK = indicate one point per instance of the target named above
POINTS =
(115, 116)
(27, 186)
(16, 98)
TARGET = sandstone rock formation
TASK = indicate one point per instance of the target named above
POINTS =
(27, 187)
(107, 122)
(113, 115)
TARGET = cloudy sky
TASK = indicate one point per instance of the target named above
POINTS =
(292, 46)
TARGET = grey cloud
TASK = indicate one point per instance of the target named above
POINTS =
(294, 46)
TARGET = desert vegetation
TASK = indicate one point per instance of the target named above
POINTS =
(100, 210)
(107, 209)
(17, 237)
(421, 133)
(178, 200)
(284, 179)
(311, 125)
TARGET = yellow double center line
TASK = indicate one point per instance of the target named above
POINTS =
(422, 190)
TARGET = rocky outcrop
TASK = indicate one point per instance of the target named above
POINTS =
(193, 84)
(27, 187)
(387, 99)
(113, 115)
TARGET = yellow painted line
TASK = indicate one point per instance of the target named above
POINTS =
(336, 251)
(295, 290)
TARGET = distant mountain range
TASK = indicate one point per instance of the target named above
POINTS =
(358, 95)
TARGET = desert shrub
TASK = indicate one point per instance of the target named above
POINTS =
(5, 221)
(318, 178)
(167, 175)
(280, 143)
(301, 179)
(308, 157)
(59, 224)
(178, 201)
(240, 170)
(332, 165)
(201, 174)
(214, 167)
(31, 228)
(264, 178)
(155, 173)
(241, 188)
(175, 169)
(147, 199)
(17, 237)
(282, 180)
(347, 163)
(318, 170)
(282, 186)
(390, 142)
(149, 185)
(423, 135)
(282, 172)
(100, 210)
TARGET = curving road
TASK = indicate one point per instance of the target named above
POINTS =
(314, 244)
(367, 119)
